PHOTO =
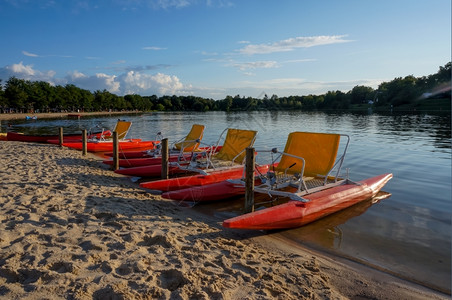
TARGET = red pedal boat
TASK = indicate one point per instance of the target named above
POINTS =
(214, 167)
(106, 145)
(307, 178)
(296, 213)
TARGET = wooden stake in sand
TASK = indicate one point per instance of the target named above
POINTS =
(84, 142)
(115, 151)
(60, 137)
(249, 180)
(165, 173)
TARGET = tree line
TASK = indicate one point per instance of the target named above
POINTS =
(19, 95)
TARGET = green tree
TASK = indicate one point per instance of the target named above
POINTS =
(226, 104)
(15, 92)
(104, 100)
(398, 91)
(39, 94)
(444, 73)
(74, 100)
(176, 103)
(61, 95)
(4, 103)
(360, 94)
(160, 107)
(148, 103)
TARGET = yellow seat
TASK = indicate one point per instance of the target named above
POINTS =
(309, 159)
(235, 144)
(319, 151)
(231, 154)
(192, 140)
(122, 128)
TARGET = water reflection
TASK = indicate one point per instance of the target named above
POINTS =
(407, 127)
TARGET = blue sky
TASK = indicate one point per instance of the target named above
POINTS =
(215, 48)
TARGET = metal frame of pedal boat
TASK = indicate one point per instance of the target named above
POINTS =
(301, 183)
(207, 166)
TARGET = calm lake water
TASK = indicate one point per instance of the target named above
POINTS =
(406, 233)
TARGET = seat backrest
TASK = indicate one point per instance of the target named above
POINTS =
(191, 141)
(122, 127)
(319, 151)
(235, 143)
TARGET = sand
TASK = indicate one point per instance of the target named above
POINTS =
(73, 229)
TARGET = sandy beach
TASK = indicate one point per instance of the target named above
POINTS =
(73, 229)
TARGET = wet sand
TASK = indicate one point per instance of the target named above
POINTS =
(71, 228)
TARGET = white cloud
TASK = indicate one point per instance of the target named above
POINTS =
(300, 86)
(26, 72)
(256, 65)
(205, 53)
(154, 48)
(76, 75)
(131, 82)
(299, 60)
(165, 4)
(26, 53)
(145, 84)
(141, 83)
(29, 54)
(292, 43)
(78, 7)
(21, 69)
(95, 82)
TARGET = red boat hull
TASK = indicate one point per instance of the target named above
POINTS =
(108, 146)
(295, 213)
(130, 154)
(144, 161)
(15, 136)
(197, 180)
(212, 192)
(148, 171)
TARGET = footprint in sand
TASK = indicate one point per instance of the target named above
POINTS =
(63, 267)
(159, 238)
(172, 279)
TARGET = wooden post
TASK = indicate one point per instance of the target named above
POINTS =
(84, 142)
(60, 137)
(249, 180)
(115, 165)
(165, 155)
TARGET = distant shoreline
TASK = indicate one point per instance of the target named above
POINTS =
(18, 116)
